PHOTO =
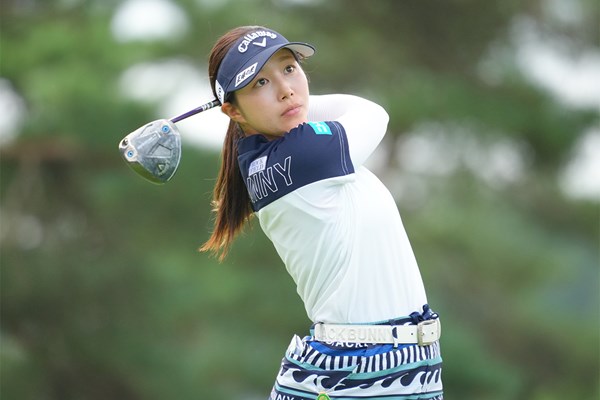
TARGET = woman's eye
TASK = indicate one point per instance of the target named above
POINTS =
(261, 82)
(290, 68)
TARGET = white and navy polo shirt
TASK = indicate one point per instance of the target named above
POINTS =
(333, 223)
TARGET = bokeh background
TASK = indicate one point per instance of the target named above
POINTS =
(493, 155)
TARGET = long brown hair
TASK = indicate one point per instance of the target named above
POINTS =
(231, 202)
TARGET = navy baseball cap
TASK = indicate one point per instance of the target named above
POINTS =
(248, 55)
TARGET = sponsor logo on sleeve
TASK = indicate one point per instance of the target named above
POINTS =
(257, 165)
(320, 128)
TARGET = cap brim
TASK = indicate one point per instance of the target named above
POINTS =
(305, 49)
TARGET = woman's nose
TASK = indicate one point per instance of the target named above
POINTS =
(285, 90)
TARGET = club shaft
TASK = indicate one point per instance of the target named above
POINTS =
(196, 110)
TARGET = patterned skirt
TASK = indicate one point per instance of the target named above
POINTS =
(313, 370)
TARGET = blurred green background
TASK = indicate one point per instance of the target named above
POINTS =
(492, 153)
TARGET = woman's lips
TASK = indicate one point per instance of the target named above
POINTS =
(291, 111)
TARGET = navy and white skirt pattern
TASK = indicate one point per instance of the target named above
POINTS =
(333, 370)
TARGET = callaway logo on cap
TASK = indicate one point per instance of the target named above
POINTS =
(248, 55)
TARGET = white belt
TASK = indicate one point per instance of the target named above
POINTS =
(424, 333)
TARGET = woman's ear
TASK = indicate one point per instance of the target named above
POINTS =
(232, 112)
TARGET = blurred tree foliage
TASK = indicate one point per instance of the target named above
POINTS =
(104, 296)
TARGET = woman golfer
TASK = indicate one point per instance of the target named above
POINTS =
(296, 162)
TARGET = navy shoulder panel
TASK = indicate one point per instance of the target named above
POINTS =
(309, 153)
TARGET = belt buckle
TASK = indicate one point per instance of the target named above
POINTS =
(421, 334)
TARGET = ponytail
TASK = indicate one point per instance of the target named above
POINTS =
(231, 202)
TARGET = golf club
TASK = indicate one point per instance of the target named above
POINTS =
(154, 150)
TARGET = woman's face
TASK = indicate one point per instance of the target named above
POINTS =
(275, 101)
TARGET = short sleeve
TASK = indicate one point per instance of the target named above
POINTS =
(312, 152)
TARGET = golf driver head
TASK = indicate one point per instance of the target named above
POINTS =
(153, 150)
